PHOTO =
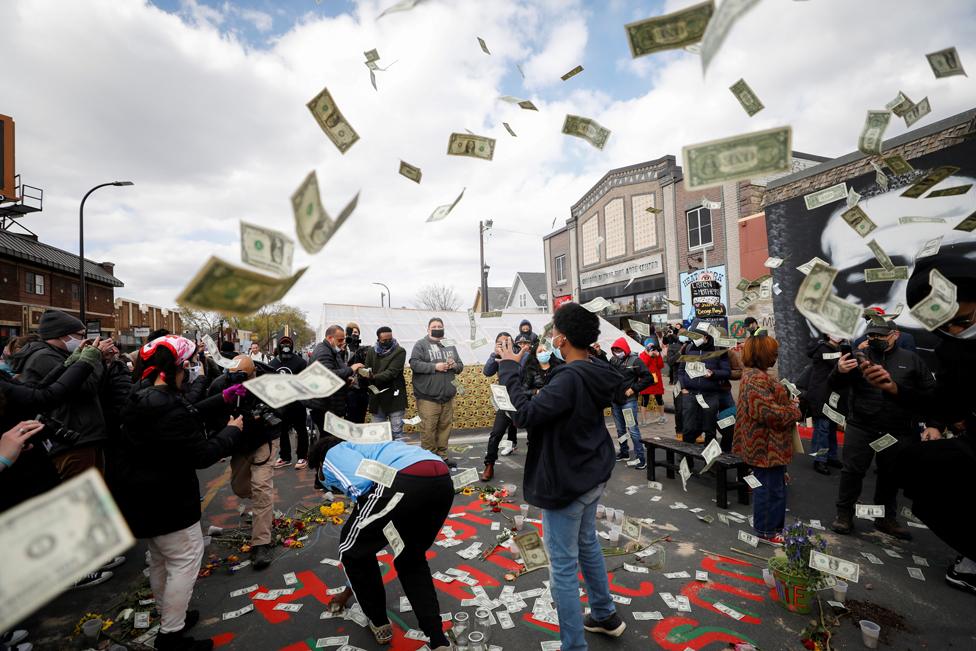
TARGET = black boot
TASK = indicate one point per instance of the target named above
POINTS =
(821, 467)
(179, 642)
(190, 619)
(843, 523)
(261, 556)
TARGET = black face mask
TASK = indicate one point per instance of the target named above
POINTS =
(437, 333)
(353, 340)
(385, 345)
(237, 377)
(878, 345)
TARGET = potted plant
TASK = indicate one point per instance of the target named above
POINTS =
(795, 580)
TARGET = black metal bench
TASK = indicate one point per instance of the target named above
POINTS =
(722, 465)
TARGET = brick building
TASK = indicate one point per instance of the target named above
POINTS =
(134, 321)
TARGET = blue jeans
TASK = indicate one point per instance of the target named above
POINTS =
(396, 421)
(769, 501)
(635, 436)
(824, 436)
(570, 538)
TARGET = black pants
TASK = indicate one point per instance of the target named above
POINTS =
(356, 403)
(857, 461)
(418, 517)
(501, 425)
(697, 419)
(679, 417)
(294, 417)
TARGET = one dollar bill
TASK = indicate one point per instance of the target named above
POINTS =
(823, 197)
(266, 248)
(745, 156)
(587, 129)
(470, 145)
(670, 31)
(747, 97)
(333, 123)
(411, 172)
(929, 181)
(872, 132)
(221, 287)
(313, 224)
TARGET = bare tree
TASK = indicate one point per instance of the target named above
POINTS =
(202, 321)
(437, 298)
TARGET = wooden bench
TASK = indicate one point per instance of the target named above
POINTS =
(722, 465)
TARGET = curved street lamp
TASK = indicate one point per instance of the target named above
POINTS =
(389, 298)
(82, 305)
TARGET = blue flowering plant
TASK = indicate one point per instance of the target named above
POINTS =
(799, 540)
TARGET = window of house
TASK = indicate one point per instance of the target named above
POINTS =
(34, 283)
(74, 292)
(645, 223)
(613, 219)
(699, 227)
(523, 301)
(559, 265)
(591, 231)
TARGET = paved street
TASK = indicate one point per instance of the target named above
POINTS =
(934, 616)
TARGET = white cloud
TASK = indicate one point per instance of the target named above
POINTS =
(213, 130)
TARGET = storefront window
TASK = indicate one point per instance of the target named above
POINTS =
(652, 302)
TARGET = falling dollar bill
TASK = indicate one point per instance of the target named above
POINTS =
(747, 97)
(898, 165)
(711, 452)
(403, 5)
(945, 63)
(478, 343)
(597, 304)
(773, 262)
(572, 73)
(472, 146)
(500, 395)
(509, 129)
(378, 432)
(710, 205)
(917, 112)
(921, 220)
(464, 478)
(440, 212)
(214, 352)
(670, 31)
(857, 219)
(939, 306)
(852, 197)
(629, 419)
(640, 328)
(808, 265)
(484, 46)
(869, 511)
(727, 14)
(654, 211)
(879, 176)
(411, 172)
(872, 132)
(745, 156)
(828, 195)
(847, 570)
(900, 105)
(54, 539)
(950, 192)
(834, 415)
(695, 369)
(587, 129)
(266, 249)
(393, 537)
(333, 123)
(221, 287)
(376, 471)
(881, 275)
(967, 225)
(313, 224)
(728, 421)
(533, 552)
(880, 255)
(684, 472)
(929, 181)
(883, 443)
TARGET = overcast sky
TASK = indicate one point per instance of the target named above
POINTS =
(202, 105)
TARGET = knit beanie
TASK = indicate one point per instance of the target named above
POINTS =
(55, 324)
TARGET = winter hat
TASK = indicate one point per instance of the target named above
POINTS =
(352, 325)
(55, 324)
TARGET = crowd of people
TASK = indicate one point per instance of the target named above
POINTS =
(151, 419)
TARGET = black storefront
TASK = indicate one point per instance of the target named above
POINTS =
(645, 299)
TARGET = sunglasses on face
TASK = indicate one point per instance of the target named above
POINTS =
(961, 321)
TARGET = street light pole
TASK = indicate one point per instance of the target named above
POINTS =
(389, 296)
(482, 227)
(82, 295)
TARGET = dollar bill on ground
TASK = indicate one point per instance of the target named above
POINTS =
(856, 218)
(587, 129)
(872, 132)
(726, 610)
(940, 305)
(376, 471)
(828, 195)
(847, 570)
(916, 573)
(440, 212)
(411, 172)
(747, 97)
(500, 393)
(221, 287)
(929, 181)
(719, 26)
(313, 225)
(472, 146)
(597, 304)
(869, 511)
(968, 224)
(745, 156)
(509, 129)
(393, 537)
(670, 31)
(748, 538)
(533, 552)
(332, 122)
(954, 191)
(54, 539)
(898, 165)
(945, 63)
(234, 614)
(917, 112)
(900, 105)
(572, 73)
(403, 5)
(266, 249)
(484, 46)
(881, 275)
(338, 640)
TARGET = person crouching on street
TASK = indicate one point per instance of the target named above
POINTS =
(410, 511)
(154, 480)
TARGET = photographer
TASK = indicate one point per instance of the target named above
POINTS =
(503, 422)
(252, 464)
(154, 479)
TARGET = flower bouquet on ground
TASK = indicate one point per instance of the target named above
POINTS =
(796, 581)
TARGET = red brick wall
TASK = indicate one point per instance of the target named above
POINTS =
(753, 247)
(685, 200)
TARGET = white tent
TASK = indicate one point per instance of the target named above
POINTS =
(410, 325)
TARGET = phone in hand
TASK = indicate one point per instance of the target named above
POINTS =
(846, 348)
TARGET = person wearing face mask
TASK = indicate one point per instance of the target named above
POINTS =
(357, 400)
(331, 354)
(937, 471)
(526, 334)
(539, 369)
(888, 392)
(293, 414)
(711, 389)
(651, 356)
(823, 353)
(435, 368)
(62, 334)
(905, 339)
(503, 422)
(385, 360)
(636, 378)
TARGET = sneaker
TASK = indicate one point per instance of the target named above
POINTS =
(662, 420)
(115, 562)
(190, 619)
(301, 464)
(450, 464)
(506, 450)
(633, 462)
(891, 527)
(95, 578)
(281, 463)
(959, 580)
(623, 455)
(776, 540)
(843, 524)
(612, 625)
(642, 465)
(261, 556)
(821, 467)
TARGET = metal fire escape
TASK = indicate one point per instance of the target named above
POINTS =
(30, 200)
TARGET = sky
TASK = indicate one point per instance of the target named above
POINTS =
(202, 105)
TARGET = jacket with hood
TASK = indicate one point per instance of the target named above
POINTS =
(655, 365)
(288, 363)
(388, 380)
(530, 336)
(335, 361)
(82, 412)
(817, 392)
(569, 448)
(534, 377)
(634, 373)
(719, 366)
(428, 383)
(163, 443)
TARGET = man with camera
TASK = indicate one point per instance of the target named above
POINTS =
(252, 464)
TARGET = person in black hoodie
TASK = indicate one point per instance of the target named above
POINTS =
(154, 480)
(823, 354)
(636, 378)
(503, 421)
(331, 354)
(357, 400)
(569, 460)
(526, 334)
(293, 414)
(708, 389)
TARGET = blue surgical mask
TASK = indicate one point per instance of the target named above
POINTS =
(543, 357)
(559, 354)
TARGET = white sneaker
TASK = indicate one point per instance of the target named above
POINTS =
(662, 419)
(505, 450)
(633, 462)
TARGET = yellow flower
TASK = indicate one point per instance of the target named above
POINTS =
(336, 520)
(467, 490)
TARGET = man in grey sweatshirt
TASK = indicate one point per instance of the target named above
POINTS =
(435, 367)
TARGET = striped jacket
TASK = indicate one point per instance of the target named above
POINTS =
(764, 421)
